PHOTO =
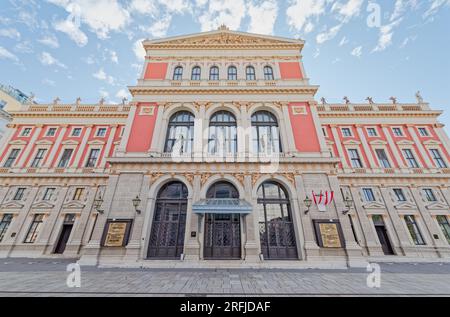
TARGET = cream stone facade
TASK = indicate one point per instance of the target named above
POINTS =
(225, 158)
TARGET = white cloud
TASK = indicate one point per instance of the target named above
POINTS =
(5, 54)
(101, 75)
(11, 33)
(139, 50)
(357, 51)
(349, 10)
(73, 31)
(435, 6)
(159, 28)
(47, 59)
(303, 13)
(49, 40)
(49, 82)
(102, 16)
(328, 35)
(386, 35)
(343, 41)
(114, 57)
(262, 16)
(218, 12)
(143, 7)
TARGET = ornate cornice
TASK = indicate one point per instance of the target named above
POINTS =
(310, 90)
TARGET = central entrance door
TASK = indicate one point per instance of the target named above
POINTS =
(65, 234)
(222, 231)
(169, 222)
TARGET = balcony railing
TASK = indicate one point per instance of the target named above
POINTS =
(372, 107)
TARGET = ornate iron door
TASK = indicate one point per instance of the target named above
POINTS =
(168, 229)
(278, 239)
(222, 236)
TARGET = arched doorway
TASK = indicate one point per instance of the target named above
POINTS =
(222, 231)
(276, 228)
(169, 222)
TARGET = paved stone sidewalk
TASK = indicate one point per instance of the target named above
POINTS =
(48, 278)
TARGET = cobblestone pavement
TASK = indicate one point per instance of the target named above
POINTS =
(23, 277)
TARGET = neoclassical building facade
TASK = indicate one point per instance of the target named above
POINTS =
(224, 156)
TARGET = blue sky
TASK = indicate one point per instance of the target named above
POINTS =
(90, 48)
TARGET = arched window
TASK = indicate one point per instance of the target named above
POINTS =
(268, 73)
(222, 134)
(169, 222)
(196, 73)
(180, 134)
(276, 228)
(178, 73)
(250, 73)
(222, 190)
(232, 73)
(214, 73)
(265, 133)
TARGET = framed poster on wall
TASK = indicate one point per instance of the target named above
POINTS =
(329, 233)
(117, 233)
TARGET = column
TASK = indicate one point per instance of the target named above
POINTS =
(354, 251)
(109, 144)
(443, 137)
(92, 249)
(430, 225)
(198, 133)
(160, 125)
(403, 239)
(339, 147)
(244, 132)
(135, 244)
(317, 124)
(311, 247)
(192, 244)
(398, 156)
(287, 125)
(50, 222)
(29, 146)
(372, 244)
(366, 147)
(423, 152)
(54, 150)
(79, 231)
(81, 147)
(128, 126)
(252, 243)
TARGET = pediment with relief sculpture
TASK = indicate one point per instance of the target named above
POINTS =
(222, 38)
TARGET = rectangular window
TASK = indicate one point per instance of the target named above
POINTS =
(382, 158)
(19, 194)
(368, 194)
(354, 158)
(101, 132)
(78, 194)
(437, 157)
(429, 195)
(26, 132)
(372, 132)
(49, 193)
(93, 157)
(51, 132)
(11, 158)
(346, 132)
(4, 225)
(65, 158)
(324, 131)
(445, 226)
(414, 230)
(38, 158)
(34, 229)
(409, 156)
(397, 132)
(423, 132)
(76, 132)
(399, 194)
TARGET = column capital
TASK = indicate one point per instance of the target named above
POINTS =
(439, 125)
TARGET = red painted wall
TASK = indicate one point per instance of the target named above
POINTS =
(304, 130)
(156, 71)
(142, 130)
(290, 70)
